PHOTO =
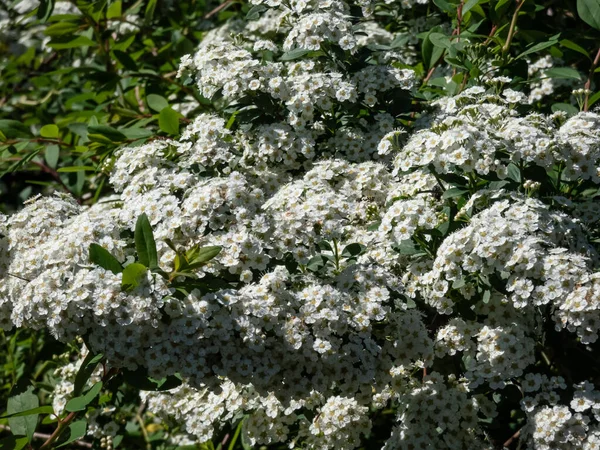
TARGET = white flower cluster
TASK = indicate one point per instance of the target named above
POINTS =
(352, 277)
(554, 425)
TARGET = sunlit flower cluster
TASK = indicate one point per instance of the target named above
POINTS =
(365, 276)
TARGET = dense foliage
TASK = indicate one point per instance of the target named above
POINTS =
(312, 224)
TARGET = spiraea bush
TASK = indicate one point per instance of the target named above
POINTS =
(331, 225)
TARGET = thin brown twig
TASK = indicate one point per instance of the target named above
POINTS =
(218, 8)
(588, 83)
(46, 436)
(492, 32)
(511, 439)
(55, 175)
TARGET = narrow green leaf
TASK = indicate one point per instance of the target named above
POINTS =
(563, 73)
(85, 371)
(454, 192)
(102, 257)
(45, 9)
(203, 254)
(126, 60)
(593, 99)
(168, 121)
(80, 403)
(470, 4)
(132, 275)
(60, 43)
(76, 431)
(500, 4)
(540, 46)
(13, 129)
(61, 28)
(109, 132)
(144, 242)
(149, 13)
(77, 169)
(25, 401)
(39, 410)
(573, 46)
(294, 54)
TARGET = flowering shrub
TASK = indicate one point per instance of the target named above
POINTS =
(333, 255)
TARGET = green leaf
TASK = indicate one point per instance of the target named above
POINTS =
(25, 401)
(85, 371)
(573, 46)
(444, 5)
(114, 10)
(500, 4)
(13, 442)
(458, 283)
(132, 275)
(593, 99)
(66, 42)
(149, 13)
(61, 28)
(75, 431)
(157, 103)
(49, 131)
(200, 256)
(353, 250)
(454, 192)
(255, 12)
(102, 257)
(51, 155)
(316, 263)
(513, 172)
(140, 380)
(294, 54)
(77, 169)
(324, 245)
(39, 410)
(126, 60)
(563, 73)
(469, 5)
(440, 40)
(430, 52)
(486, 296)
(540, 46)
(45, 9)
(144, 242)
(80, 403)
(566, 107)
(168, 121)
(407, 247)
(589, 12)
(108, 132)
(13, 129)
